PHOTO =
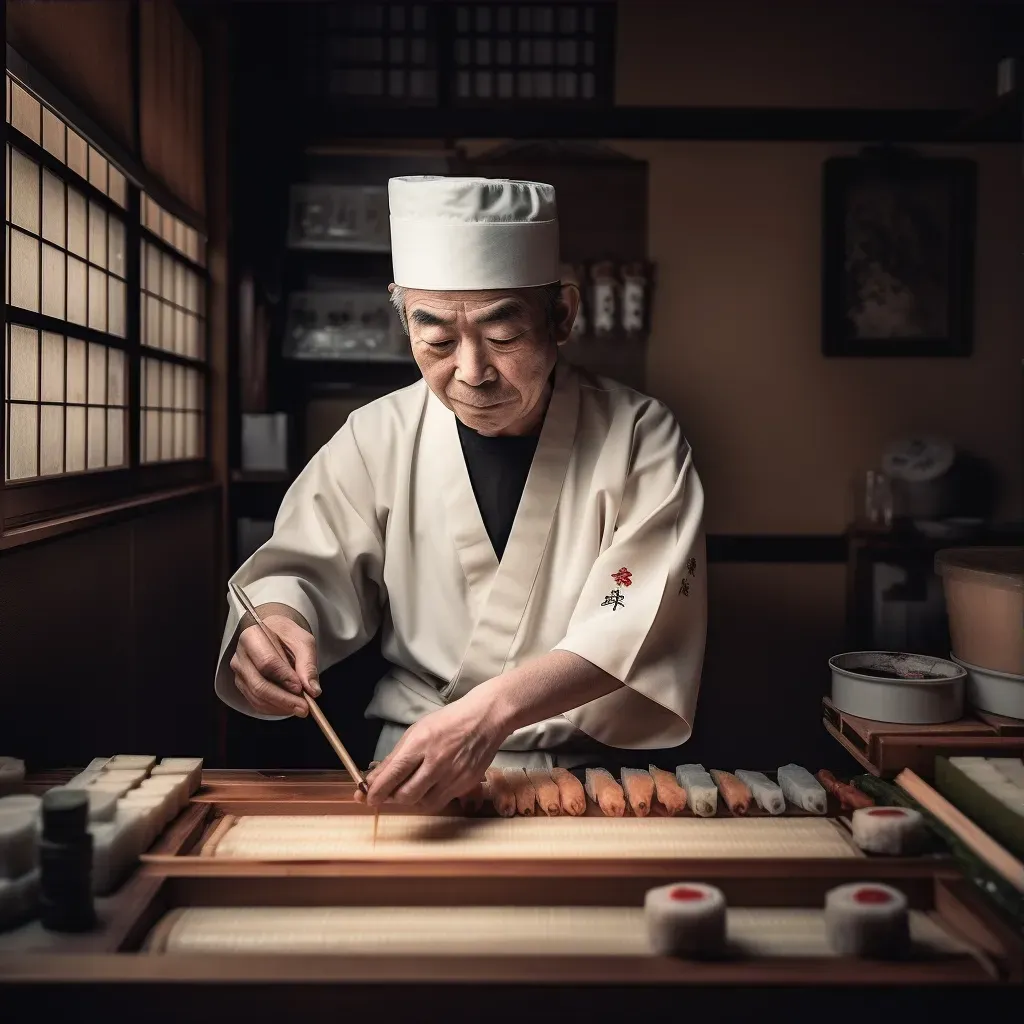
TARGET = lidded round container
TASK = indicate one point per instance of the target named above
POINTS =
(984, 590)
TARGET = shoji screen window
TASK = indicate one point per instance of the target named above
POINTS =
(65, 338)
(173, 333)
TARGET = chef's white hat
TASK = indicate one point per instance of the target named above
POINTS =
(472, 234)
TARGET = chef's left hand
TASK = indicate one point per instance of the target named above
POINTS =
(439, 758)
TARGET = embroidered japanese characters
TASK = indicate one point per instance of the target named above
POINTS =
(691, 570)
(616, 599)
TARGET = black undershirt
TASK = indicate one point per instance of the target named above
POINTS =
(498, 467)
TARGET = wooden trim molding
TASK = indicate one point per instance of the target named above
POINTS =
(89, 519)
(326, 125)
(778, 548)
(53, 498)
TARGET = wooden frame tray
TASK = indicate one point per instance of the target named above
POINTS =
(97, 970)
(885, 749)
(185, 847)
(132, 915)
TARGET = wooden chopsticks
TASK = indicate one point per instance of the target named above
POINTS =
(318, 716)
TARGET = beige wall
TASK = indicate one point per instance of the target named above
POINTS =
(779, 431)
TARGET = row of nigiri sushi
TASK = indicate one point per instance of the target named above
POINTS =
(692, 786)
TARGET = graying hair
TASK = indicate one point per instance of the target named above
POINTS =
(551, 296)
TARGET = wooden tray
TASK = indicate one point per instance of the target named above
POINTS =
(885, 749)
(135, 917)
(59, 973)
(187, 847)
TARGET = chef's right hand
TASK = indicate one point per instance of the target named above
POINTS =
(269, 684)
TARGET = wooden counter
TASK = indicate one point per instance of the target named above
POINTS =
(120, 967)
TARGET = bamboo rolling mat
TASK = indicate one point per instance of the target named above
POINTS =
(401, 837)
(503, 931)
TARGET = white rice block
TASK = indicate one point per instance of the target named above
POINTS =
(102, 805)
(148, 827)
(166, 801)
(867, 919)
(155, 809)
(97, 764)
(1011, 768)
(22, 802)
(132, 762)
(102, 802)
(12, 774)
(701, 791)
(185, 782)
(896, 831)
(83, 779)
(133, 825)
(174, 785)
(133, 776)
(19, 842)
(106, 866)
(105, 785)
(1003, 789)
(1009, 796)
(116, 846)
(686, 919)
(802, 789)
(983, 774)
(190, 766)
(766, 793)
(19, 898)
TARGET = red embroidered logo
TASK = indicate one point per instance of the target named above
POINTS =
(623, 577)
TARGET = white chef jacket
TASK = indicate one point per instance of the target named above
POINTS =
(605, 559)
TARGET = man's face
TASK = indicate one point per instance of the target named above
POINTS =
(487, 355)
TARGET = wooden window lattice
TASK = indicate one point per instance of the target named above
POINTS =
(463, 55)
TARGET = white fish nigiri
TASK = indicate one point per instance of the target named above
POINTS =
(802, 789)
(767, 794)
(701, 791)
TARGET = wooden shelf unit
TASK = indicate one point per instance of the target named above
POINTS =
(885, 749)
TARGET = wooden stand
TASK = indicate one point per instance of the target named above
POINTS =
(885, 749)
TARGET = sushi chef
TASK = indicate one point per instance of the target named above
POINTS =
(528, 537)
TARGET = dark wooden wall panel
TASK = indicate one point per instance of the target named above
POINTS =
(176, 627)
(107, 639)
(171, 101)
(65, 651)
(85, 48)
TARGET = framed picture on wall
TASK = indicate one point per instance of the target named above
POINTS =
(898, 259)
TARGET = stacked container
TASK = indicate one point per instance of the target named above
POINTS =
(984, 590)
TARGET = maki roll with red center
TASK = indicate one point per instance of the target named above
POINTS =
(867, 920)
(896, 831)
(686, 919)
